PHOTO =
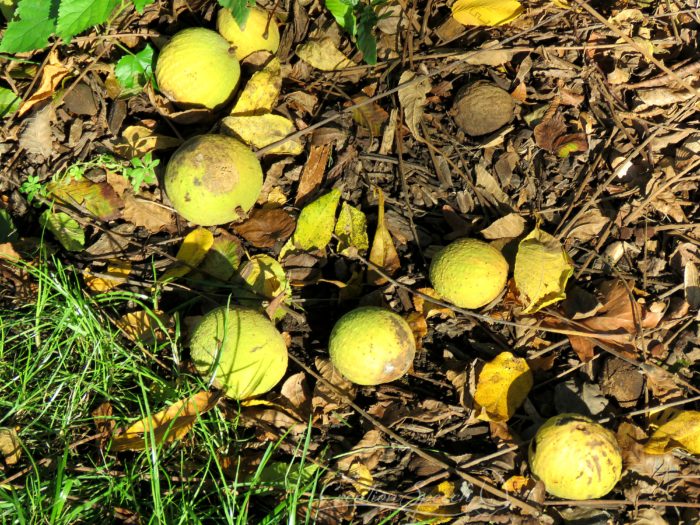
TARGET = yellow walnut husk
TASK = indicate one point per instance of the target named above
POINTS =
(575, 457)
(372, 345)
(469, 273)
(251, 37)
(196, 69)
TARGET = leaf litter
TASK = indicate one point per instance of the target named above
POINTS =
(604, 305)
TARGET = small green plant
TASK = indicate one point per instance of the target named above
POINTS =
(135, 70)
(359, 20)
(33, 188)
(142, 171)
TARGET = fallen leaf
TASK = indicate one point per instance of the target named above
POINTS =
(261, 92)
(681, 431)
(508, 227)
(383, 252)
(486, 12)
(265, 276)
(262, 130)
(147, 214)
(691, 285)
(265, 227)
(351, 230)
(322, 54)
(166, 426)
(139, 140)
(115, 274)
(314, 170)
(370, 116)
(542, 269)
(437, 504)
(192, 251)
(65, 228)
(419, 327)
(36, 137)
(223, 258)
(10, 445)
(503, 385)
(430, 309)
(98, 198)
(51, 76)
(324, 398)
(413, 99)
(362, 478)
(551, 135)
(518, 484)
(315, 224)
(103, 418)
(143, 326)
(588, 226)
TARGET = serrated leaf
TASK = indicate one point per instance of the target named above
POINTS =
(351, 229)
(383, 252)
(31, 29)
(9, 102)
(262, 130)
(366, 41)
(503, 385)
(133, 71)
(681, 431)
(192, 251)
(75, 16)
(344, 14)
(486, 12)
(168, 425)
(315, 224)
(240, 9)
(66, 229)
(542, 269)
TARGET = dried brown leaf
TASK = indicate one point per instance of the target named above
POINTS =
(314, 171)
(147, 214)
(265, 227)
(325, 398)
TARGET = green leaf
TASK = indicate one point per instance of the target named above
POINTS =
(133, 71)
(8, 232)
(65, 229)
(75, 16)
(141, 4)
(35, 23)
(351, 229)
(9, 102)
(366, 41)
(315, 224)
(343, 12)
(240, 9)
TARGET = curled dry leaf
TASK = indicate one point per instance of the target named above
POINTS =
(322, 54)
(261, 92)
(383, 252)
(10, 445)
(542, 269)
(265, 227)
(413, 99)
(262, 130)
(503, 385)
(51, 76)
(551, 135)
(166, 426)
(115, 274)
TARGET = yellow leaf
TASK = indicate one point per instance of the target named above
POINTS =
(430, 309)
(542, 268)
(142, 325)
(362, 476)
(262, 130)
(561, 3)
(192, 252)
(351, 229)
(116, 270)
(322, 54)
(265, 276)
(383, 252)
(518, 484)
(315, 224)
(167, 425)
(486, 12)
(139, 140)
(261, 92)
(438, 504)
(682, 431)
(503, 385)
(10, 445)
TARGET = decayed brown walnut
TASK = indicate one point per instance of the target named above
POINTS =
(482, 107)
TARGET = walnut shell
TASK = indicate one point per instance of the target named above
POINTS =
(482, 107)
